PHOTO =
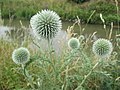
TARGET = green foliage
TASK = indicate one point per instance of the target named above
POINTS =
(112, 68)
(111, 18)
(66, 71)
(9, 74)
(107, 9)
(67, 10)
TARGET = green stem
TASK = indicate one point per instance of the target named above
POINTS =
(117, 8)
(66, 78)
(86, 76)
(51, 61)
(27, 76)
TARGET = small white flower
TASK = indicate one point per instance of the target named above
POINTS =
(73, 43)
(81, 37)
(21, 55)
(102, 47)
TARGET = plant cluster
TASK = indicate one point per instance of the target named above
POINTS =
(77, 68)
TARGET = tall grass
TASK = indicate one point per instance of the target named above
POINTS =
(1, 21)
(117, 8)
(8, 76)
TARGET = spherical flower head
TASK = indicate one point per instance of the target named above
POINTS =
(46, 24)
(81, 37)
(73, 43)
(102, 48)
(21, 55)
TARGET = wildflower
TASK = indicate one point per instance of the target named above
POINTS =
(21, 55)
(81, 38)
(46, 24)
(73, 43)
(102, 47)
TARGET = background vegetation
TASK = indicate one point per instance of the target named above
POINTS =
(67, 9)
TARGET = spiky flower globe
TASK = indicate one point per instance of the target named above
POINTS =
(73, 43)
(46, 24)
(81, 37)
(102, 47)
(21, 55)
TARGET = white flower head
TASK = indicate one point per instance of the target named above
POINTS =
(21, 55)
(102, 47)
(73, 43)
(46, 24)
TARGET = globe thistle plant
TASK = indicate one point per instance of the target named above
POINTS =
(46, 24)
(102, 47)
(21, 55)
(81, 38)
(73, 43)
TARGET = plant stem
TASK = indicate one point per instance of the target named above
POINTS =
(117, 8)
(66, 78)
(86, 76)
(27, 76)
